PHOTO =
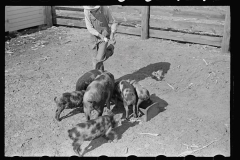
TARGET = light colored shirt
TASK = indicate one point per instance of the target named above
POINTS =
(109, 18)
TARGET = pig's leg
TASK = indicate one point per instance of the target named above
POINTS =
(106, 135)
(134, 111)
(137, 107)
(87, 111)
(77, 146)
(126, 109)
(108, 101)
(99, 110)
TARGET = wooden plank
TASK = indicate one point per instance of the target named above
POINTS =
(69, 9)
(121, 29)
(68, 22)
(191, 27)
(69, 13)
(54, 15)
(207, 40)
(48, 16)
(16, 16)
(39, 19)
(13, 8)
(129, 30)
(26, 10)
(6, 22)
(132, 18)
(145, 22)
(6, 26)
(26, 18)
(73, 18)
(189, 12)
(15, 28)
(226, 35)
(184, 37)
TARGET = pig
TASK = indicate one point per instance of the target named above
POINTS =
(127, 93)
(142, 94)
(86, 79)
(100, 127)
(68, 100)
(98, 93)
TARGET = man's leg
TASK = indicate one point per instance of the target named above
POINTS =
(101, 55)
(94, 60)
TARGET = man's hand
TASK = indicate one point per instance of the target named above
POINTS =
(102, 37)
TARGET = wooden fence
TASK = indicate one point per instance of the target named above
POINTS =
(20, 17)
(146, 27)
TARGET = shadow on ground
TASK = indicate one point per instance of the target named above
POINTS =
(119, 131)
(138, 76)
(147, 72)
(73, 112)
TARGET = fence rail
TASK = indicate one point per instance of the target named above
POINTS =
(146, 26)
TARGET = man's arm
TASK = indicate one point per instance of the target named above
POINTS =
(89, 24)
(112, 20)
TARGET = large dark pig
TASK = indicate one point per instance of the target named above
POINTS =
(98, 93)
(86, 79)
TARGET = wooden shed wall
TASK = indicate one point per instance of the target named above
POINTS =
(20, 17)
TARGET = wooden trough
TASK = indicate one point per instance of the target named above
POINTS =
(150, 109)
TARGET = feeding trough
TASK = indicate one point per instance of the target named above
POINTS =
(150, 109)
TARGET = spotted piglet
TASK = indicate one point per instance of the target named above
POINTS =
(68, 100)
(126, 92)
(92, 129)
(142, 94)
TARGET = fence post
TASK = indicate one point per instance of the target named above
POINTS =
(48, 16)
(54, 16)
(145, 22)
(226, 34)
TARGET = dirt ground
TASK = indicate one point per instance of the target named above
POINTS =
(194, 90)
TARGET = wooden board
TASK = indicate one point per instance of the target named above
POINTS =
(131, 15)
(18, 17)
(27, 25)
(199, 12)
(214, 41)
(23, 14)
(28, 9)
(30, 21)
(14, 8)
(184, 37)
(226, 36)
(26, 18)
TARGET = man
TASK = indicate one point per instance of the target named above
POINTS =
(97, 19)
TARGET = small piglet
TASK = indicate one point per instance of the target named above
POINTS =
(98, 93)
(127, 94)
(86, 79)
(142, 93)
(68, 100)
(92, 129)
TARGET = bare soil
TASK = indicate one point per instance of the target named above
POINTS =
(194, 90)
